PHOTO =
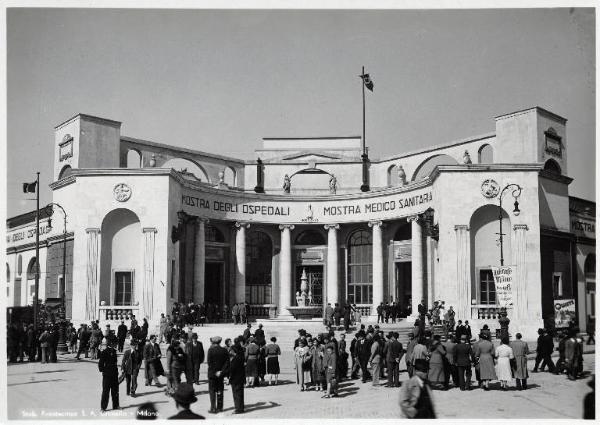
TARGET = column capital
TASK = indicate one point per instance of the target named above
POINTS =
(461, 227)
(414, 218)
(202, 220)
(331, 226)
(92, 230)
(520, 227)
(240, 224)
(149, 230)
(377, 223)
(286, 226)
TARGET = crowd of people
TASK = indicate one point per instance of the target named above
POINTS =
(439, 353)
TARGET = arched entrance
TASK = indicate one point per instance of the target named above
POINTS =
(215, 261)
(309, 249)
(485, 252)
(360, 268)
(402, 258)
(121, 270)
(31, 269)
(259, 256)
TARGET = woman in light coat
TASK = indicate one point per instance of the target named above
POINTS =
(302, 364)
(504, 353)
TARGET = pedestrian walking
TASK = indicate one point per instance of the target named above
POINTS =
(176, 362)
(151, 360)
(107, 364)
(252, 353)
(416, 401)
(330, 368)
(573, 355)
(44, 344)
(194, 358)
(375, 359)
(504, 354)
(130, 367)
(520, 351)
(121, 335)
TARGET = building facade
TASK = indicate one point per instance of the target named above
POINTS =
(155, 224)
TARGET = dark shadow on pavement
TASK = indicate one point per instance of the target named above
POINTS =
(34, 382)
(261, 405)
(53, 371)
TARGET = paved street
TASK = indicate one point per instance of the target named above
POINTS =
(72, 389)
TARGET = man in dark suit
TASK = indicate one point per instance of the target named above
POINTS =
(410, 347)
(393, 354)
(121, 335)
(259, 336)
(337, 314)
(243, 313)
(235, 312)
(107, 364)
(183, 397)
(217, 359)
(460, 330)
(467, 330)
(84, 340)
(463, 360)
(363, 350)
(195, 357)
(237, 376)
(422, 310)
(130, 366)
(328, 319)
(247, 332)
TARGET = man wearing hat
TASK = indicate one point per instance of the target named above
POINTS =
(217, 359)
(247, 333)
(463, 360)
(107, 364)
(184, 396)
(393, 354)
(416, 401)
(194, 358)
(259, 335)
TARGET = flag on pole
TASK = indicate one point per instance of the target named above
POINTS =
(367, 81)
(29, 187)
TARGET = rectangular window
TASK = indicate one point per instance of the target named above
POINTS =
(123, 288)
(487, 288)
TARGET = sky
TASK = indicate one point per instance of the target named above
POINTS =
(221, 80)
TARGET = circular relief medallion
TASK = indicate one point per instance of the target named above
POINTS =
(490, 188)
(122, 192)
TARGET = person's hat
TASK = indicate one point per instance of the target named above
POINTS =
(421, 365)
(216, 339)
(390, 334)
(184, 394)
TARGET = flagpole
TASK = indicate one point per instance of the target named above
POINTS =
(365, 158)
(37, 256)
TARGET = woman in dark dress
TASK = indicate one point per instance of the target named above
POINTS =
(252, 354)
(272, 353)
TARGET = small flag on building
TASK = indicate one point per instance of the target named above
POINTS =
(29, 187)
(367, 81)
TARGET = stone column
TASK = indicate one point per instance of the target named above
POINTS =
(199, 261)
(463, 272)
(332, 283)
(91, 295)
(416, 264)
(240, 261)
(148, 285)
(285, 269)
(377, 265)
(520, 299)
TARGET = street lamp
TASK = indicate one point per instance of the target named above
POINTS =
(516, 192)
(62, 344)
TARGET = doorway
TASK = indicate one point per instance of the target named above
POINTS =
(403, 272)
(213, 283)
(314, 275)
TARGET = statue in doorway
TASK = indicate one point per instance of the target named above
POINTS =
(287, 184)
(467, 158)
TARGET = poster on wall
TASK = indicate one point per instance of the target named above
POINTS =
(564, 312)
(503, 279)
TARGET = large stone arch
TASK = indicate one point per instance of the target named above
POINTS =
(187, 166)
(427, 166)
(485, 250)
(121, 258)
